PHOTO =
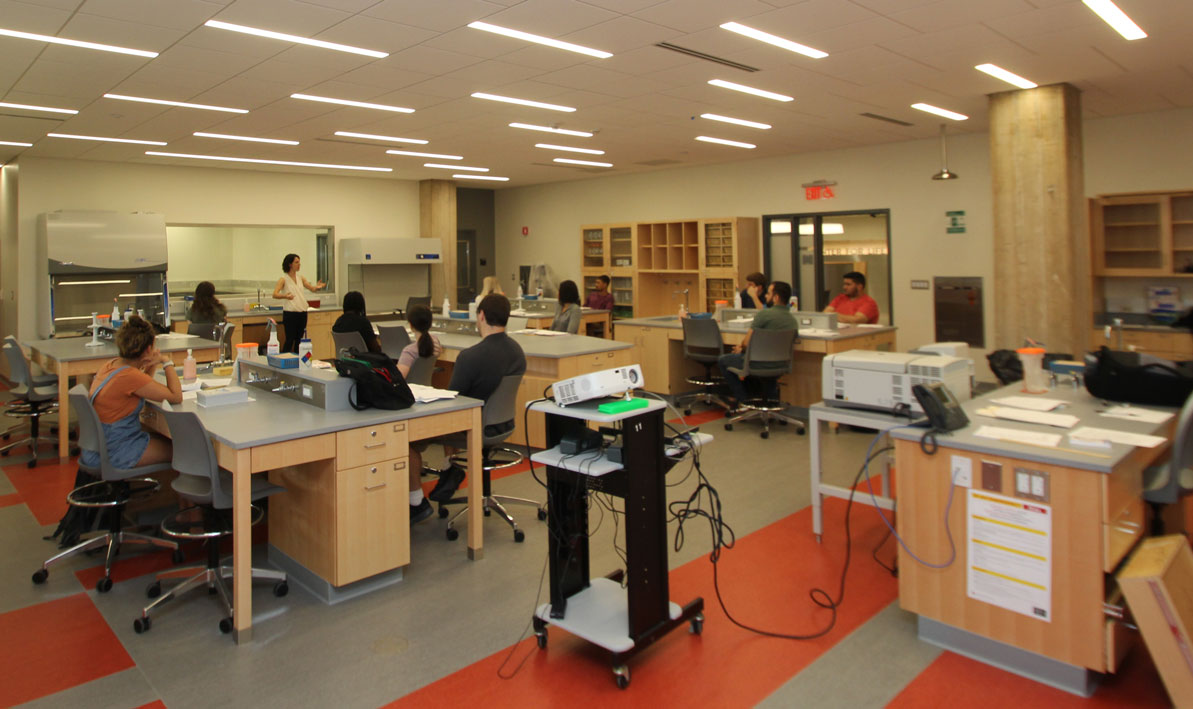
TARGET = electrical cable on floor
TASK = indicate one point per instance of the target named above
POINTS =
(537, 595)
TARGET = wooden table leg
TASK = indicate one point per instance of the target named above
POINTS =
(476, 502)
(242, 548)
(63, 414)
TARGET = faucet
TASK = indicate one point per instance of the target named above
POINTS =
(285, 387)
(255, 378)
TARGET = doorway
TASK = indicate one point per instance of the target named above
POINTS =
(466, 286)
(813, 252)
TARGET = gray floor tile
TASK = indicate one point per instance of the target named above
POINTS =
(123, 689)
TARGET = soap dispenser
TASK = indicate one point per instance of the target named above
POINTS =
(272, 347)
(190, 371)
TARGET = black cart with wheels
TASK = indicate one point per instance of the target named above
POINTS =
(621, 619)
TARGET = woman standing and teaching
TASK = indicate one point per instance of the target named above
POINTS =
(294, 310)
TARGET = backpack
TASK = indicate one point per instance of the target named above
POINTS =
(1140, 379)
(377, 381)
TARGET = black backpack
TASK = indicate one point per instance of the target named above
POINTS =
(378, 383)
(1128, 376)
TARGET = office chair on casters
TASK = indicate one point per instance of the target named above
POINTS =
(202, 482)
(417, 300)
(209, 331)
(394, 339)
(702, 343)
(225, 340)
(30, 401)
(346, 340)
(516, 323)
(1168, 482)
(114, 489)
(768, 356)
(500, 408)
(421, 371)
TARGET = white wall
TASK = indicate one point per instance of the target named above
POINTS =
(196, 253)
(355, 206)
(257, 253)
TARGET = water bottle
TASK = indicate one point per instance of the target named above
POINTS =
(472, 310)
(793, 302)
(273, 347)
(737, 300)
(189, 368)
(447, 307)
(304, 352)
(683, 311)
(115, 314)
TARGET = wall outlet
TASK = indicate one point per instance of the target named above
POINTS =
(962, 471)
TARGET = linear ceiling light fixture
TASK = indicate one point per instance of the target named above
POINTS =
(772, 39)
(1002, 74)
(15, 144)
(942, 112)
(77, 43)
(296, 39)
(224, 136)
(735, 121)
(289, 163)
(178, 104)
(750, 90)
(494, 178)
(455, 167)
(1116, 18)
(356, 104)
(389, 138)
(589, 163)
(549, 129)
(425, 155)
(722, 141)
(569, 149)
(538, 39)
(27, 107)
(106, 140)
(523, 102)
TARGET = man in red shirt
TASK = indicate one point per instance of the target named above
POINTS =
(853, 305)
(601, 298)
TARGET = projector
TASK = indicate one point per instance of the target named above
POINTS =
(867, 379)
(596, 385)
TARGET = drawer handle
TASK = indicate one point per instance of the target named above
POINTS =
(378, 444)
(369, 488)
(400, 465)
(399, 427)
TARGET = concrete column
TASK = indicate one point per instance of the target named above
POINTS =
(437, 219)
(1042, 275)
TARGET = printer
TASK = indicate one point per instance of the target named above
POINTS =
(867, 379)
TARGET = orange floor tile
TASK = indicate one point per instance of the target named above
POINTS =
(44, 488)
(10, 500)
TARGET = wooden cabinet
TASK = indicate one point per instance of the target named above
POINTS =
(1174, 344)
(372, 520)
(1132, 235)
(608, 249)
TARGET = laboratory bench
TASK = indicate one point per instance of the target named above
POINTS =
(253, 326)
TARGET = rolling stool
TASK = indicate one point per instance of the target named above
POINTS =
(1168, 482)
(702, 343)
(768, 356)
(31, 401)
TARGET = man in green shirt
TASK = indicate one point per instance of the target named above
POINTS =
(775, 316)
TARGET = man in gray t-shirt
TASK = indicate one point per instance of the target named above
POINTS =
(775, 316)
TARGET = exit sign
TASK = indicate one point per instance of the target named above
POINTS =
(811, 193)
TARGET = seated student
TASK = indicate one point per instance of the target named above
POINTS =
(853, 305)
(768, 318)
(601, 298)
(206, 308)
(119, 391)
(489, 286)
(425, 344)
(568, 317)
(477, 373)
(354, 320)
(754, 294)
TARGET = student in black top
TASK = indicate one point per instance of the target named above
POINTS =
(354, 320)
(754, 294)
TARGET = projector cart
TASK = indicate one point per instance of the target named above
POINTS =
(622, 621)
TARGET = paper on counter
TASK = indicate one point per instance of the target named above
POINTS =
(175, 336)
(1013, 435)
(424, 394)
(1130, 413)
(1108, 434)
(743, 319)
(213, 382)
(867, 324)
(186, 396)
(818, 332)
(1013, 414)
(543, 333)
(193, 386)
(1029, 402)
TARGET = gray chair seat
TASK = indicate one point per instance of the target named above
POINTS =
(348, 340)
(1168, 482)
(30, 401)
(702, 343)
(767, 356)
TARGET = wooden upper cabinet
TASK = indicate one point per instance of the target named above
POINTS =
(1133, 236)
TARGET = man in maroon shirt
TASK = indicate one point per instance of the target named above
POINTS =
(853, 305)
(601, 299)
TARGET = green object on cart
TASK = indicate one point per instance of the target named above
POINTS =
(622, 405)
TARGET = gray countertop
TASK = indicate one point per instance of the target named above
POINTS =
(73, 349)
(276, 314)
(1078, 402)
(556, 347)
(672, 322)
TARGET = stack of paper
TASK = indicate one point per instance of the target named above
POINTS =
(818, 332)
(425, 394)
(544, 333)
(1031, 438)
(1012, 414)
(1090, 433)
(1032, 403)
(1130, 413)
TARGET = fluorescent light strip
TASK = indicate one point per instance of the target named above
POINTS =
(370, 136)
(455, 167)
(722, 141)
(294, 38)
(77, 317)
(772, 39)
(750, 90)
(224, 136)
(481, 177)
(548, 129)
(94, 283)
(1116, 18)
(19, 145)
(77, 43)
(47, 109)
(524, 102)
(1002, 74)
(357, 104)
(570, 161)
(735, 121)
(416, 154)
(179, 104)
(538, 39)
(270, 162)
(548, 146)
(942, 112)
(138, 295)
(108, 140)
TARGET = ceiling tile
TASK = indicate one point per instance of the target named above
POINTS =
(550, 18)
(376, 34)
(288, 16)
(947, 13)
(433, 14)
(24, 17)
(177, 14)
(695, 15)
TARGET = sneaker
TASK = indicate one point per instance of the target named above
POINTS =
(449, 482)
(420, 511)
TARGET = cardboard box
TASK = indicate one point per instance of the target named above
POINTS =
(1158, 585)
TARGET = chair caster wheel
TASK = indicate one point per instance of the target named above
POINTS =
(142, 625)
(487, 512)
(728, 427)
(542, 514)
(6, 436)
(765, 434)
(621, 674)
(281, 588)
(696, 625)
(104, 585)
(40, 576)
(226, 626)
(801, 431)
(453, 535)
(442, 512)
(32, 463)
(3, 454)
(74, 452)
(687, 412)
(178, 556)
(154, 590)
(519, 536)
(782, 422)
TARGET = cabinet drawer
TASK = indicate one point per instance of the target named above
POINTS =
(371, 444)
(1121, 534)
(372, 520)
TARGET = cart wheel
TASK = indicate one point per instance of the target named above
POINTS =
(541, 638)
(178, 556)
(32, 463)
(452, 534)
(104, 585)
(226, 626)
(281, 588)
(728, 427)
(696, 624)
(800, 430)
(142, 625)
(687, 412)
(765, 434)
(782, 422)
(519, 536)
(154, 590)
(621, 675)
(542, 514)
(40, 576)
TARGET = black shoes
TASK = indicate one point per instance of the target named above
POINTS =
(449, 482)
(420, 511)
